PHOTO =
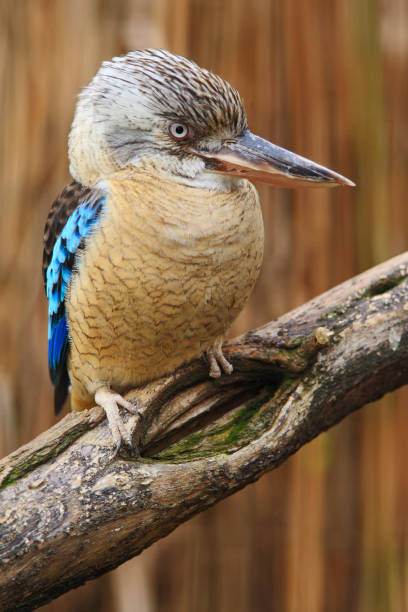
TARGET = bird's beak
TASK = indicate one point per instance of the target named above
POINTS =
(252, 157)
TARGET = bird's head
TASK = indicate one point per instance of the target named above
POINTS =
(154, 108)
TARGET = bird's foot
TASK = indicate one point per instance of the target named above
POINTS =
(110, 402)
(217, 361)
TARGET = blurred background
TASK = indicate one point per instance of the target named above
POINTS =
(329, 529)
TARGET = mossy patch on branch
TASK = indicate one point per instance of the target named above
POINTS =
(234, 430)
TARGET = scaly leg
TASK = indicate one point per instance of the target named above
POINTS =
(216, 359)
(110, 402)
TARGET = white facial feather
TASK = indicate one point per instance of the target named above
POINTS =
(122, 117)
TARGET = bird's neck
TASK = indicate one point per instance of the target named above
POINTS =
(179, 211)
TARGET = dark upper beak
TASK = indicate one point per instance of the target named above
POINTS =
(252, 157)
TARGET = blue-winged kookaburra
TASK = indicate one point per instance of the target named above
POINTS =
(154, 248)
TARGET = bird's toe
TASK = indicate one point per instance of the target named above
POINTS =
(217, 360)
(110, 402)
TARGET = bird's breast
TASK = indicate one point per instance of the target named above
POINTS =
(167, 270)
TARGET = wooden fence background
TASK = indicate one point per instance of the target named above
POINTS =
(329, 529)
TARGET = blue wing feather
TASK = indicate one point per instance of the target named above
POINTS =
(77, 228)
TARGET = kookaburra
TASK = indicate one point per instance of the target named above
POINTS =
(154, 248)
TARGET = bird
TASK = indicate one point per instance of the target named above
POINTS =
(153, 249)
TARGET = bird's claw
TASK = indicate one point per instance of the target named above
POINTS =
(110, 401)
(217, 361)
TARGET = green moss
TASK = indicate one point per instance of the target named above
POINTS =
(232, 431)
(336, 312)
(27, 463)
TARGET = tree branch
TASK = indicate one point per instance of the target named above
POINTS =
(70, 512)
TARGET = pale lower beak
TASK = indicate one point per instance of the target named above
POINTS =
(252, 157)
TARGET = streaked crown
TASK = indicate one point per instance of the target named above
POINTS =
(123, 116)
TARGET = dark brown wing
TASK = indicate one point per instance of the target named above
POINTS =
(68, 200)
(71, 197)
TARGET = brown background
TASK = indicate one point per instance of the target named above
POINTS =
(329, 80)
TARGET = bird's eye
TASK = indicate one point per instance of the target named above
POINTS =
(179, 131)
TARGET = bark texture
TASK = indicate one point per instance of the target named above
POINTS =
(70, 512)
